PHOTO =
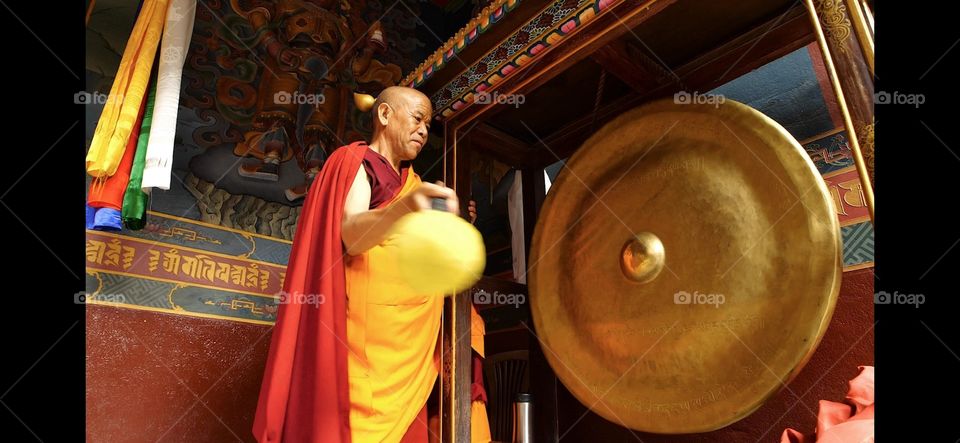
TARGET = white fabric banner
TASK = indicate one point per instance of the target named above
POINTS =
(173, 52)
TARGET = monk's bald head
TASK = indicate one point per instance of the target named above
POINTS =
(397, 95)
(401, 120)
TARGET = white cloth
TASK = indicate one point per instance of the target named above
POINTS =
(173, 52)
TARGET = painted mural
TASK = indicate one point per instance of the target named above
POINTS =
(794, 91)
(268, 93)
(186, 267)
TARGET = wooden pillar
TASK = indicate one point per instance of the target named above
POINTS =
(845, 37)
(455, 351)
(543, 382)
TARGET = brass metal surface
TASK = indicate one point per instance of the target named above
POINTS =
(751, 268)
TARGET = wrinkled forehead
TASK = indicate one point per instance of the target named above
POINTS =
(418, 102)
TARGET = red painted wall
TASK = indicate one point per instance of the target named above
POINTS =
(147, 370)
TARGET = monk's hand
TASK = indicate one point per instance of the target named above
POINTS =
(472, 211)
(422, 197)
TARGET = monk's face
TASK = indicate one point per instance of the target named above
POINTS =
(407, 129)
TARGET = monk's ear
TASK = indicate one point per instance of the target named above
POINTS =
(384, 112)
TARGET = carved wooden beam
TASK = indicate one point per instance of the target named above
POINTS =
(623, 59)
(502, 146)
(846, 43)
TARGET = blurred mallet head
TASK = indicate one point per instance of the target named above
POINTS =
(440, 253)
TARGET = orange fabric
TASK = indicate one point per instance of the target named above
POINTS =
(107, 192)
(477, 330)
(479, 424)
(128, 92)
(843, 422)
(392, 335)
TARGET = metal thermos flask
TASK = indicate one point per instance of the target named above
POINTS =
(522, 419)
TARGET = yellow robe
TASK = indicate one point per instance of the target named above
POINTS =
(392, 335)
(479, 423)
(128, 91)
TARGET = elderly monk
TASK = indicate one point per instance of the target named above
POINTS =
(354, 353)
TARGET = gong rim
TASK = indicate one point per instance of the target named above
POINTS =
(567, 344)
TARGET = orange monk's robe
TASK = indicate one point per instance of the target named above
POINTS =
(479, 424)
(392, 334)
(317, 387)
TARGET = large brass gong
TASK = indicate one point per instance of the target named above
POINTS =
(684, 266)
